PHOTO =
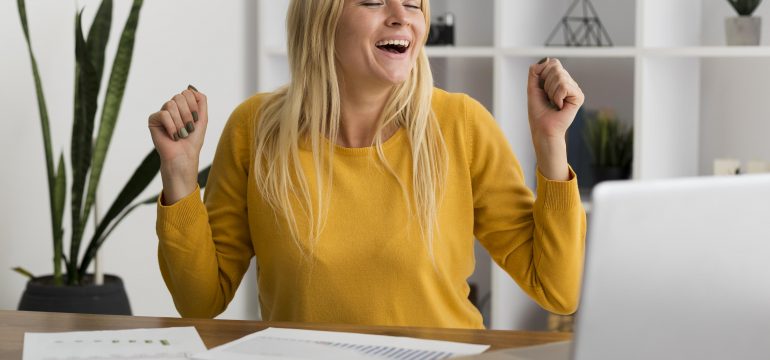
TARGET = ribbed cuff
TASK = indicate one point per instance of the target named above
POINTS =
(558, 195)
(182, 214)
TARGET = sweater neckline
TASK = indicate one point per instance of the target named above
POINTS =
(396, 138)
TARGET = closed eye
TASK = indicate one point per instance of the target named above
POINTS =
(413, 5)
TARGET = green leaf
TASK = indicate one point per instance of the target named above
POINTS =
(98, 36)
(609, 142)
(86, 92)
(59, 196)
(142, 177)
(24, 272)
(112, 102)
(43, 111)
(203, 177)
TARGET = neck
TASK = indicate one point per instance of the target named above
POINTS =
(361, 108)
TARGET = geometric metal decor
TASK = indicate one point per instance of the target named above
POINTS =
(580, 30)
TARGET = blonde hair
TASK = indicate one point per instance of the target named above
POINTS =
(308, 109)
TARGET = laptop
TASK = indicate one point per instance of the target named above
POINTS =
(675, 269)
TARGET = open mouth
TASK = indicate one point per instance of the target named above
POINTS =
(393, 46)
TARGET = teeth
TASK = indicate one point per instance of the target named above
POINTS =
(402, 43)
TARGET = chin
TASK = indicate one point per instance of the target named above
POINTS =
(396, 78)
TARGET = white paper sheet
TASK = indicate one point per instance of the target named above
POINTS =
(156, 344)
(276, 343)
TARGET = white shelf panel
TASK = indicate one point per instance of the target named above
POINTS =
(628, 52)
(709, 51)
(593, 52)
(460, 52)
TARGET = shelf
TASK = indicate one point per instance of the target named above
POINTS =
(460, 52)
(627, 52)
(592, 52)
(708, 51)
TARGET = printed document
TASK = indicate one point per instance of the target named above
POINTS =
(155, 344)
(277, 343)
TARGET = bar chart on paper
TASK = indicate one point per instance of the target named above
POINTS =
(275, 343)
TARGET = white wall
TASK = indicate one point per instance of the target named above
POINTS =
(733, 123)
(207, 44)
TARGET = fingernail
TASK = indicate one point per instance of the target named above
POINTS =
(192, 88)
(542, 60)
(175, 137)
(190, 127)
(183, 133)
(195, 116)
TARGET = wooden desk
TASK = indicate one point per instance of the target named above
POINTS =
(13, 325)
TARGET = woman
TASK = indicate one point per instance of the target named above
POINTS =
(359, 187)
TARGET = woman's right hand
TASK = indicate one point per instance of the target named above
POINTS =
(177, 131)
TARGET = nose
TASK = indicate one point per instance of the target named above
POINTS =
(397, 16)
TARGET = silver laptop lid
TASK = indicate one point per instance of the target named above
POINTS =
(677, 269)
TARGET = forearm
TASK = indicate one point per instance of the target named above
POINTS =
(180, 178)
(551, 153)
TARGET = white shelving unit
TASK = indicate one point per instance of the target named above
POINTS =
(689, 97)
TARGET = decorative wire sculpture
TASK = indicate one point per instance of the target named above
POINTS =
(586, 30)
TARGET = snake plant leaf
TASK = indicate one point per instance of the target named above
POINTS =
(203, 177)
(43, 110)
(112, 101)
(142, 177)
(59, 196)
(98, 36)
(86, 92)
(24, 272)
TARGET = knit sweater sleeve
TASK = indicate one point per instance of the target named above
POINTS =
(539, 241)
(205, 248)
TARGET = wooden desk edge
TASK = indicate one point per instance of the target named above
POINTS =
(13, 325)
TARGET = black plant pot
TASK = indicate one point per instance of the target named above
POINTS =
(110, 298)
(604, 173)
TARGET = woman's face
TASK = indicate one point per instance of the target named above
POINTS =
(378, 41)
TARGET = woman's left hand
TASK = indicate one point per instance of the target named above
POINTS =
(553, 99)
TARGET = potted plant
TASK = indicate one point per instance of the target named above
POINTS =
(610, 144)
(744, 29)
(72, 289)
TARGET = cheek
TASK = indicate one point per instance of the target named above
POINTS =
(420, 30)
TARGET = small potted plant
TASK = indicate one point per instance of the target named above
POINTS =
(610, 144)
(744, 29)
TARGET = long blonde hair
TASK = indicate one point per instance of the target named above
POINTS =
(308, 109)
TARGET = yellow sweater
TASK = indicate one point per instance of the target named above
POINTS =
(369, 266)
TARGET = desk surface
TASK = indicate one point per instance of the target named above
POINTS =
(13, 325)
